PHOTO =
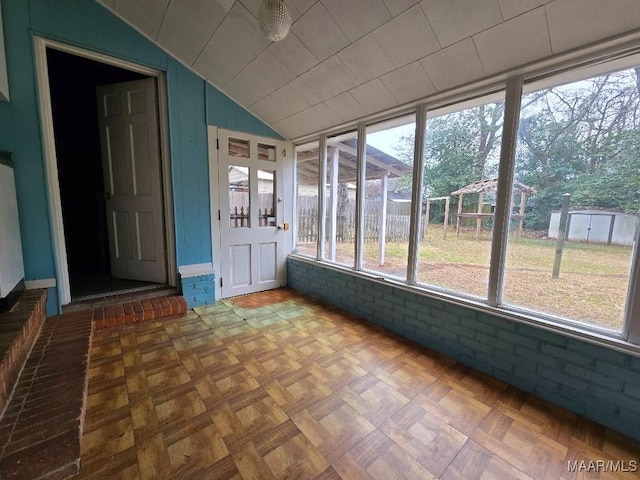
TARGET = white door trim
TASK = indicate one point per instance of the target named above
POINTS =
(51, 161)
(216, 239)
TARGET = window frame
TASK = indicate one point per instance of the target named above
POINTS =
(570, 67)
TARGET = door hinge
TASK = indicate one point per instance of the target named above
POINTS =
(217, 144)
(221, 283)
(219, 216)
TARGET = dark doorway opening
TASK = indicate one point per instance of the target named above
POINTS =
(73, 81)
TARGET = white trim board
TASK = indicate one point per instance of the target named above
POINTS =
(40, 283)
(51, 162)
(196, 270)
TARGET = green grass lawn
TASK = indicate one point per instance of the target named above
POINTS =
(591, 288)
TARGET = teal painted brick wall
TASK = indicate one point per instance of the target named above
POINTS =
(192, 103)
(599, 383)
(199, 290)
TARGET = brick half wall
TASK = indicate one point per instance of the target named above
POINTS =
(199, 290)
(597, 382)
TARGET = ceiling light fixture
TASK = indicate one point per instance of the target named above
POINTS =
(274, 19)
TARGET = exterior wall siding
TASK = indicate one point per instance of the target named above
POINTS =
(192, 103)
(599, 383)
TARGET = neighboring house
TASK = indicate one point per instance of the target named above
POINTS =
(205, 83)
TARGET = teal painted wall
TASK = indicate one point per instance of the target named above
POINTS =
(192, 104)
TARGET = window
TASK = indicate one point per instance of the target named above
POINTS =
(571, 212)
(341, 185)
(579, 142)
(307, 168)
(462, 149)
(387, 209)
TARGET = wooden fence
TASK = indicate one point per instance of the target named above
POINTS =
(398, 220)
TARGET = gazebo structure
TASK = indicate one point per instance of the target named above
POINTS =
(482, 186)
(342, 169)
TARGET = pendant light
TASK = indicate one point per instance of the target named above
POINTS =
(274, 19)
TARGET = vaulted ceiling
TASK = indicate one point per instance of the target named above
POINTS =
(347, 59)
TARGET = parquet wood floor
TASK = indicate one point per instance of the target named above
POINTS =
(274, 385)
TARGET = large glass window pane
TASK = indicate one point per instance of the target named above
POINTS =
(307, 200)
(341, 198)
(462, 150)
(580, 139)
(388, 170)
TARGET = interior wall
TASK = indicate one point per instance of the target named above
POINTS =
(88, 25)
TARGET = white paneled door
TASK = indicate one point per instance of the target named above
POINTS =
(129, 139)
(252, 227)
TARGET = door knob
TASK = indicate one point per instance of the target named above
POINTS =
(107, 195)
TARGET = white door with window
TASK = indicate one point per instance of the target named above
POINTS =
(129, 139)
(252, 208)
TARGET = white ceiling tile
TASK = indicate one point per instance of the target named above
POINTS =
(345, 107)
(408, 37)
(454, 20)
(320, 34)
(334, 75)
(293, 54)
(262, 76)
(365, 59)
(399, 6)
(301, 6)
(373, 96)
(357, 17)
(309, 88)
(247, 87)
(146, 15)
(280, 104)
(512, 8)
(269, 67)
(454, 65)
(573, 23)
(313, 119)
(188, 26)
(408, 83)
(226, 4)
(515, 42)
(237, 42)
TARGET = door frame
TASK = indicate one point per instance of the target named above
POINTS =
(215, 191)
(51, 161)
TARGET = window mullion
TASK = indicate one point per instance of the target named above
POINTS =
(513, 96)
(322, 204)
(361, 163)
(631, 327)
(416, 194)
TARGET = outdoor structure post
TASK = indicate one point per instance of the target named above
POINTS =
(333, 206)
(479, 219)
(446, 218)
(458, 216)
(523, 201)
(562, 233)
(425, 224)
(383, 219)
